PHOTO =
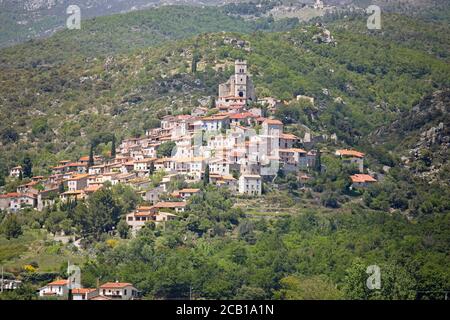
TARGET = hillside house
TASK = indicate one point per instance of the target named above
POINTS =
(57, 288)
(84, 293)
(250, 184)
(175, 206)
(77, 182)
(186, 193)
(118, 291)
(152, 195)
(352, 157)
(215, 122)
(15, 172)
(142, 215)
(72, 195)
(360, 181)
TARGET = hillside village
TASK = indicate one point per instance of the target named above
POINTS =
(233, 145)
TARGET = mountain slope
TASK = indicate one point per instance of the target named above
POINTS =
(125, 32)
(54, 109)
(422, 136)
(21, 20)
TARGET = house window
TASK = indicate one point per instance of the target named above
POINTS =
(125, 292)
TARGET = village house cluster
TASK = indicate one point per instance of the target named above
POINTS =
(107, 291)
(238, 146)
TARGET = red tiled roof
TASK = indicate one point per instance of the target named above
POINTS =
(82, 290)
(187, 190)
(288, 136)
(170, 204)
(10, 195)
(350, 153)
(242, 115)
(362, 178)
(60, 282)
(111, 285)
(273, 121)
(215, 117)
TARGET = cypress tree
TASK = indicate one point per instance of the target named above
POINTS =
(91, 156)
(206, 176)
(113, 147)
(61, 188)
(318, 162)
(152, 168)
(27, 167)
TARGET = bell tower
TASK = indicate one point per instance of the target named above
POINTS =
(240, 78)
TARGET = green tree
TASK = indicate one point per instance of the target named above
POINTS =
(396, 283)
(206, 176)
(91, 156)
(123, 229)
(27, 167)
(317, 287)
(195, 59)
(113, 146)
(165, 149)
(61, 188)
(10, 226)
(212, 103)
(151, 169)
(251, 293)
(99, 215)
(318, 163)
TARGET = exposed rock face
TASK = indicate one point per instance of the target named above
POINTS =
(423, 135)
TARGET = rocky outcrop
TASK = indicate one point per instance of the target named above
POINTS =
(422, 135)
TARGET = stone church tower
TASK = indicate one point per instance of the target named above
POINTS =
(239, 88)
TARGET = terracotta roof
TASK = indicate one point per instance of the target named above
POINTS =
(76, 164)
(170, 205)
(362, 178)
(215, 117)
(93, 188)
(143, 208)
(10, 195)
(73, 192)
(60, 282)
(143, 214)
(187, 190)
(79, 177)
(255, 176)
(292, 150)
(29, 184)
(145, 160)
(242, 115)
(82, 290)
(273, 121)
(288, 136)
(109, 285)
(350, 153)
